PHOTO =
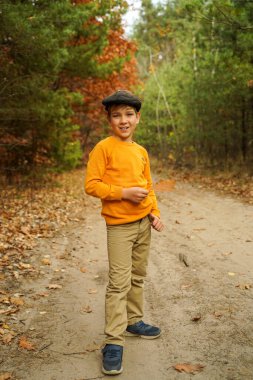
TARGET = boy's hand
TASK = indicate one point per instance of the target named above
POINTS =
(156, 223)
(134, 194)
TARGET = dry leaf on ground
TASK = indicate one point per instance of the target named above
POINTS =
(165, 185)
(227, 253)
(217, 314)
(45, 261)
(17, 301)
(5, 376)
(92, 291)
(188, 368)
(83, 270)
(87, 309)
(24, 343)
(243, 286)
(7, 338)
(186, 286)
(9, 311)
(54, 286)
(196, 318)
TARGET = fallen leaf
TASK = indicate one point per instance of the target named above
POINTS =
(92, 291)
(5, 300)
(5, 376)
(54, 286)
(189, 368)
(196, 318)
(217, 314)
(24, 343)
(9, 311)
(87, 309)
(45, 261)
(243, 286)
(24, 266)
(43, 294)
(165, 185)
(25, 230)
(227, 253)
(17, 301)
(183, 258)
(83, 270)
(8, 338)
(186, 286)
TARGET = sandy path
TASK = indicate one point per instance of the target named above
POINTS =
(216, 236)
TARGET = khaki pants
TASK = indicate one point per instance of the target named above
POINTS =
(128, 250)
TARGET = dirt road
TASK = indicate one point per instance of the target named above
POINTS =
(199, 290)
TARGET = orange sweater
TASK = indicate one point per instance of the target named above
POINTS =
(114, 165)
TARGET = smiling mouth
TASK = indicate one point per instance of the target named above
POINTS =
(123, 128)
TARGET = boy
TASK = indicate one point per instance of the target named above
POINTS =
(118, 173)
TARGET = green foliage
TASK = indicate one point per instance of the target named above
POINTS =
(42, 42)
(198, 96)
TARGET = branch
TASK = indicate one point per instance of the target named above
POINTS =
(164, 98)
(230, 21)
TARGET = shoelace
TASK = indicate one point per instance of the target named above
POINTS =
(142, 324)
(113, 353)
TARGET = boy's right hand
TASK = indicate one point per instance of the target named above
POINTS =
(134, 194)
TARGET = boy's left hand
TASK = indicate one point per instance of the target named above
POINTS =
(156, 223)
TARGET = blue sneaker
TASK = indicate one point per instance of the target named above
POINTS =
(143, 330)
(112, 359)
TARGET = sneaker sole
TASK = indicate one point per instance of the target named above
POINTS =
(112, 372)
(129, 334)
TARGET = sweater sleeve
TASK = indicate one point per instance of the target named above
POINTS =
(155, 210)
(94, 184)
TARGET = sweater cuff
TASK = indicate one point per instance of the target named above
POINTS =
(156, 213)
(117, 193)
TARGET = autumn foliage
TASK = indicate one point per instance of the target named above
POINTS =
(90, 114)
(53, 77)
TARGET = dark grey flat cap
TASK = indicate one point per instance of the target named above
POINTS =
(122, 97)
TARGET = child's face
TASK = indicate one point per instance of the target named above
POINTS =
(123, 120)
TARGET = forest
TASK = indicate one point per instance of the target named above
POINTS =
(190, 62)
